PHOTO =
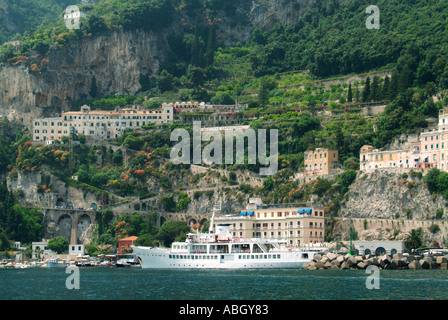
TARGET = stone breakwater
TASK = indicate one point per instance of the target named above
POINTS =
(397, 261)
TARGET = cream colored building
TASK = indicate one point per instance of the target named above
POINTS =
(321, 161)
(430, 151)
(372, 159)
(435, 142)
(99, 124)
(298, 225)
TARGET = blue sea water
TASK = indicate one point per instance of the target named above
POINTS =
(102, 283)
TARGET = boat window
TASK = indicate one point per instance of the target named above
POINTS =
(305, 255)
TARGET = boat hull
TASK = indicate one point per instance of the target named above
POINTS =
(151, 258)
(51, 264)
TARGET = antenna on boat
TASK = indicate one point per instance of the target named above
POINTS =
(215, 208)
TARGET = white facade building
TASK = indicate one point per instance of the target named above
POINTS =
(99, 124)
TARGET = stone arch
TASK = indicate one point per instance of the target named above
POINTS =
(144, 206)
(66, 215)
(367, 251)
(202, 221)
(393, 251)
(192, 222)
(380, 251)
(93, 206)
(60, 202)
(82, 225)
(63, 226)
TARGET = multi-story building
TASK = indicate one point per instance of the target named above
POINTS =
(298, 225)
(429, 151)
(99, 124)
(411, 157)
(321, 161)
(208, 114)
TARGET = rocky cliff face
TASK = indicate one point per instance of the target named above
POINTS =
(116, 60)
(119, 58)
(390, 195)
(387, 205)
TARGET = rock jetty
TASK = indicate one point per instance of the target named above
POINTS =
(397, 261)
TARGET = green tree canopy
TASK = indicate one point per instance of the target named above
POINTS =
(58, 244)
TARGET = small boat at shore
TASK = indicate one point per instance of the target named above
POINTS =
(55, 263)
(122, 263)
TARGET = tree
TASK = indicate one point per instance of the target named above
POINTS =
(375, 89)
(268, 183)
(349, 94)
(168, 203)
(345, 179)
(414, 239)
(182, 203)
(393, 87)
(339, 138)
(58, 244)
(171, 231)
(210, 52)
(93, 88)
(117, 157)
(4, 242)
(258, 36)
(132, 142)
(366, 93)
(385, 89)
(82, 138)
(99, 180)
(96, 23)
(432, 179)
(266, 85)
(405, 79)
(165, 81)
(197, 77)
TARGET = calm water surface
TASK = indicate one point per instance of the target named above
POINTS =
(102, 283)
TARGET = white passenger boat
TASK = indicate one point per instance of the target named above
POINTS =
(219, 250)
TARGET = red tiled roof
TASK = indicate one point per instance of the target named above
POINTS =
(129, 238)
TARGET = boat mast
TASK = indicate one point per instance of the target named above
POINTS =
(215, 208)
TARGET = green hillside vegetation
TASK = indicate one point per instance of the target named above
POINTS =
(281, 74)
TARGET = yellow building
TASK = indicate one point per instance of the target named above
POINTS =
(298, 225)
(321, 161)
(372, 159)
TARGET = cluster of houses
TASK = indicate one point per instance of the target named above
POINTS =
(110, 124)
(430, 150)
